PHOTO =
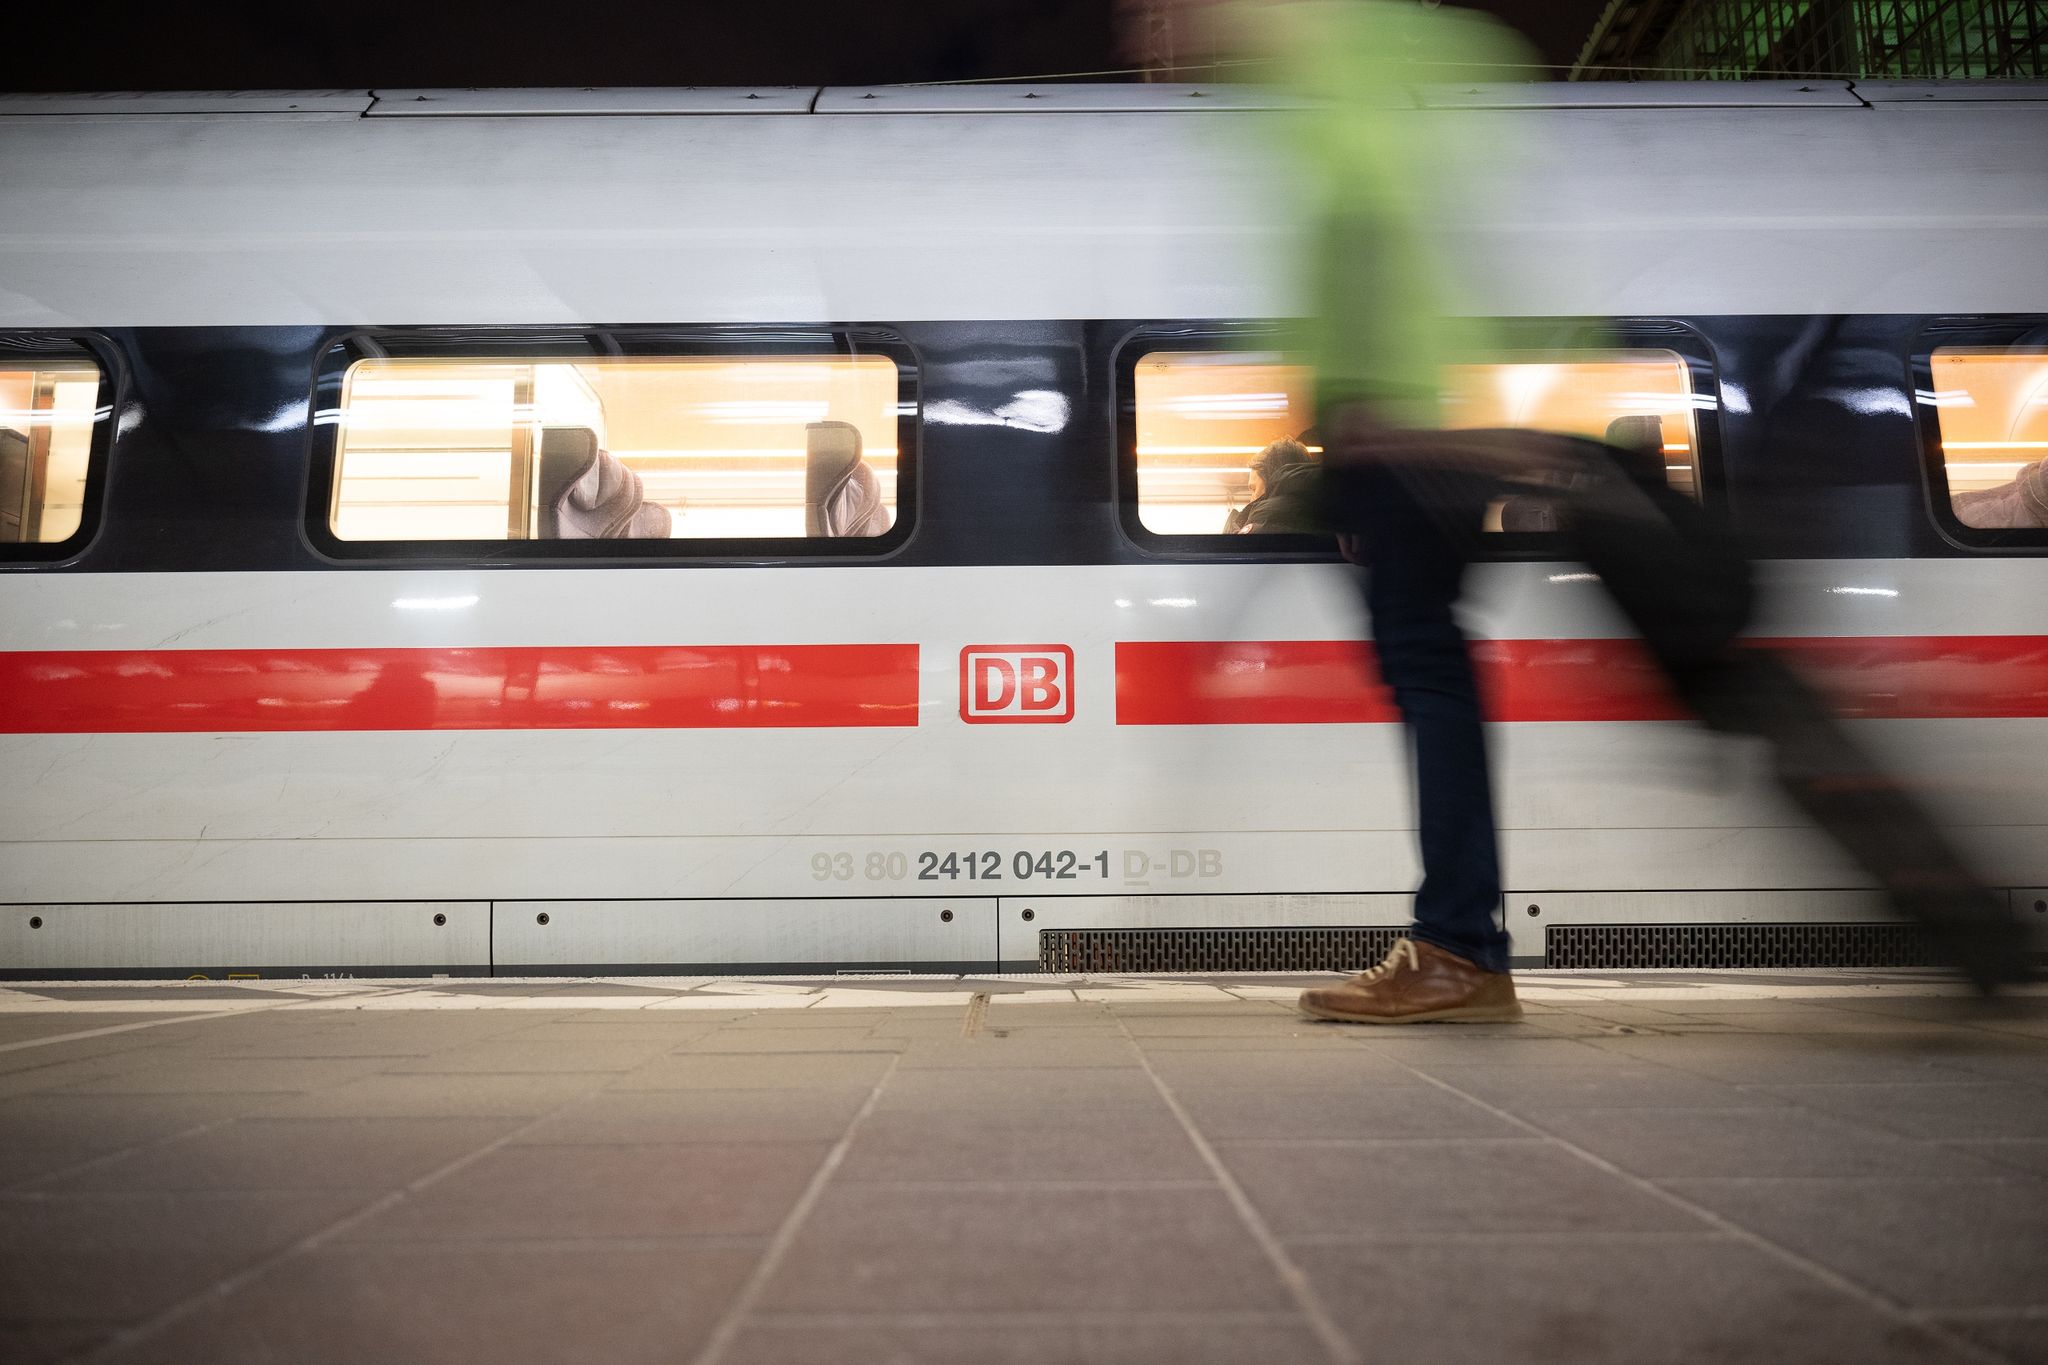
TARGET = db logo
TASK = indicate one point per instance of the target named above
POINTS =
(1016, 683)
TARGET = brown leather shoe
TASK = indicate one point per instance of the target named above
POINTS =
(1417, 983)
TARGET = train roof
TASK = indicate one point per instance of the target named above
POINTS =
(995, 98)
(979, 202)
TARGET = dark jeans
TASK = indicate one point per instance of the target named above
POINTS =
(1416, 556)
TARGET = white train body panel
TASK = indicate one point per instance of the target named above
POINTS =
(332, 214)
(739, 815)
(982, 212)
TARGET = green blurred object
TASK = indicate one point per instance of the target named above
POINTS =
(1376, 171)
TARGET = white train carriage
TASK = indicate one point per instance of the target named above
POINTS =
(695, 530)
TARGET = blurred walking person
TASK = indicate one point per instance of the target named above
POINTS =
(1408, 500)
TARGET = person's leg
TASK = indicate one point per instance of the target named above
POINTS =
(1416, 542)
(1682, 581)
(1819, 764)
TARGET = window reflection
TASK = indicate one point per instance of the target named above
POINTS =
(1991, 407)
(46, 418)
(687, 448)
(1208, 421)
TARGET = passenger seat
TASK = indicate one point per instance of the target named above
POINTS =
(842, 497)
(16, 516)
(1640, 436)
(587, 494)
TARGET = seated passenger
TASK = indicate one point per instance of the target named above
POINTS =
(1286, 496)
(2021, 503)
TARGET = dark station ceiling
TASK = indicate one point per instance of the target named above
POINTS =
(364, 44)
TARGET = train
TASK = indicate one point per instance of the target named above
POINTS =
(786, 530)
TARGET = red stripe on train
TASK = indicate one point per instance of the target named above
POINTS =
(1321, 682)
(548, 688)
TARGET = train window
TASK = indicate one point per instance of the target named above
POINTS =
(684, 448)
(1990, 408)
(47, 412)
(1206, 421)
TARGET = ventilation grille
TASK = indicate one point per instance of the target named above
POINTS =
(1213, 950)
(1612, 946)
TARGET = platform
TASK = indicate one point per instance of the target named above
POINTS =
(1842, 1167)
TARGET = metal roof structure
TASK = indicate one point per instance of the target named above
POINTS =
(1748, 39)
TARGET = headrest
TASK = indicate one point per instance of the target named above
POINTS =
(1527, 512)
(566, 455)
(14, 478)
(1642, 434)
(830, 449)
(841, 494)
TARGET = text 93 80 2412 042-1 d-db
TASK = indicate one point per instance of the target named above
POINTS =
(1016, 865)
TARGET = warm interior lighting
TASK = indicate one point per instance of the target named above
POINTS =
(1992, 410)
(46, 420)
(1203, 416)
(437, 449)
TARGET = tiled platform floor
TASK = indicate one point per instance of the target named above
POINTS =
(1738, 1167)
